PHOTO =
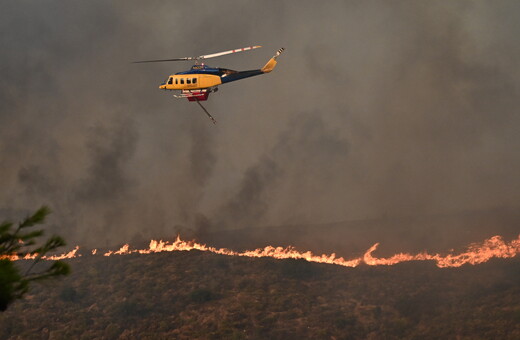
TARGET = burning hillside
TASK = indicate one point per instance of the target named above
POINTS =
(494, 247)
(189, 290)
(201, 295)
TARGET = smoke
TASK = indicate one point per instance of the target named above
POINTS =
(250, 203)
(109, 149)
(299, 166)
(374, 110)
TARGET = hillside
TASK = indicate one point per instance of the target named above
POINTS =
(195, 295)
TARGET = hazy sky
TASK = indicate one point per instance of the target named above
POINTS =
(376, 108)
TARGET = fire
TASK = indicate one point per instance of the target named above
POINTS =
(480, 253)
(71, 254)
(475, 253)
(269, 251)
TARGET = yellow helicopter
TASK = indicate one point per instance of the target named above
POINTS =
(197, 83)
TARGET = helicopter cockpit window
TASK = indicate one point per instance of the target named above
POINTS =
(194, 81)
(182, 80)
(170, 81)
(188, 81)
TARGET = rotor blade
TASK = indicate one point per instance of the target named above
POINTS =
(161, 60)
(210, 116)
(207, 56)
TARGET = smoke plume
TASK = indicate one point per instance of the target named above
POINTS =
(375, 110)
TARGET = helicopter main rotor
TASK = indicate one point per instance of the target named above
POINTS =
(201, 57)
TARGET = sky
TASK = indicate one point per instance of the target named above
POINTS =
(376, 108)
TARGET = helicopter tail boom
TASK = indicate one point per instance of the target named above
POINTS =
(271, 64)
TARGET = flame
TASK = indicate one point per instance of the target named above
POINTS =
(475, 254)
(121, 251)
(269, 251)
(71, 254)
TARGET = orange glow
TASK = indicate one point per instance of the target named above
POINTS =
(475, 254)
(71, 254)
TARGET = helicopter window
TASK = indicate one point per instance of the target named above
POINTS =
(188, 81)
(182, 80)
(194, 80)
(170, 81)
(176, 81)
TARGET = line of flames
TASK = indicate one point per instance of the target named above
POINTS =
(494, 247)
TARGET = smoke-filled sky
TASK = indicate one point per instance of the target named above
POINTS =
(376, 108)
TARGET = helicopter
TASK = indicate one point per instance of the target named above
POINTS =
(197, 83)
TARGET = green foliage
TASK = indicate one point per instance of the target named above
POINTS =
(12, 285)
(22, 242)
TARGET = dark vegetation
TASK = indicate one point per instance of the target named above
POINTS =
(194, 295)
(22, 240)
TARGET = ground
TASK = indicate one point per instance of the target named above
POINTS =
(194, 295)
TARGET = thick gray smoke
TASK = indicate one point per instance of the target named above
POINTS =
(375, 109)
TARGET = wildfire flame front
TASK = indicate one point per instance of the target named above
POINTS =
(494, 247)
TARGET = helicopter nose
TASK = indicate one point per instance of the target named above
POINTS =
(162, 86)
